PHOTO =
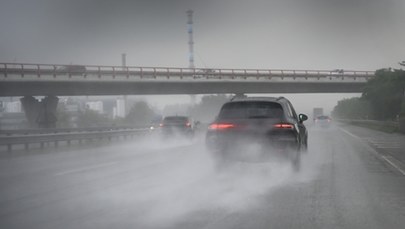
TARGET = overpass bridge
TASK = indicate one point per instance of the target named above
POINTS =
(28, 80)
(68, 80)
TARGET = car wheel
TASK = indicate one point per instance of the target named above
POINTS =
(305, 146)
(295, 159)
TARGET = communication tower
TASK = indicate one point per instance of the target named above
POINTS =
(190, 38)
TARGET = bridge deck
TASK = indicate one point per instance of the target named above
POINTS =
(37, 79)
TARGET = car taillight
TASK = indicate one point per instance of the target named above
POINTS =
(329, 120)
(161, 124)
(188, 124)
(283, 126)
(221, 126)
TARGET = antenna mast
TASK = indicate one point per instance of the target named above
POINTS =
(190, 38)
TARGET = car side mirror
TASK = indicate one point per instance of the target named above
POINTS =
(302, 117)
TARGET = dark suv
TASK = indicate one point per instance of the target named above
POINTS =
(269, 123)
(177, 125)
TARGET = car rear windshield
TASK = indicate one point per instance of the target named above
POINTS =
(246, 110)
(175, 119)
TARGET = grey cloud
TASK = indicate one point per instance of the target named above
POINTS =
(228, 33)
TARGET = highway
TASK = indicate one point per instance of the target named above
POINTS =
(349, 179)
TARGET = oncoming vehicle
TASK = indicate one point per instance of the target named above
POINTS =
(267, 122)
(177, 125)
(323, 121)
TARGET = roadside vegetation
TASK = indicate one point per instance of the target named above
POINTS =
(140, 113)
(382, 100)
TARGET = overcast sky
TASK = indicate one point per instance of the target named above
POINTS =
(287, 34)
(292, 34)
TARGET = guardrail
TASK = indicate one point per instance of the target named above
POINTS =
(68, 137)
(65, 130)
(385, 126)
(67, 71)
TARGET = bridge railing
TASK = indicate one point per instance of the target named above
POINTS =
(67, 71)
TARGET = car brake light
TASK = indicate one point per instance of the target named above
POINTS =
(221, 126)
(188, 124)
(283, 126)
(161, 124)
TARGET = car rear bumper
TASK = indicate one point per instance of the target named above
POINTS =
(252, 148)
(172, 131)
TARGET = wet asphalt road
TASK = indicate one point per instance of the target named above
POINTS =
(343, 184)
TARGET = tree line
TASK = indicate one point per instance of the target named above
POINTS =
(381, 99)
(141, 113)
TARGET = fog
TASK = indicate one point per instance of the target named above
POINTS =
(161, 183)
(303, 103)
(292, 34)
(174, 180)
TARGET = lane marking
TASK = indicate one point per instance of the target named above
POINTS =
(383, 142)
(347, 132)
(377, 153)
(388, 147)
(393, 164)
(386, 143)
(86, 168)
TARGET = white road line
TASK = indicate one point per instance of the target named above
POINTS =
(382, 156)
(393, 165)
(347, 132)
(385, 143)
(86, 168)
(388, 147)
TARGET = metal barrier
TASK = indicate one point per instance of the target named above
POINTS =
(66, 130)
(59, 72)
(80, 136)
(386, 126)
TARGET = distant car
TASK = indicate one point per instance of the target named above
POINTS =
(204, 73)
(154, 125)
(177, 126)
(271, 123)
(337, 72)
(323, 121)
(73, 70)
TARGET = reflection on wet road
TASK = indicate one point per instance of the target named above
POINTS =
(151, 184)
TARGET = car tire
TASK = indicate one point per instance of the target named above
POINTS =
(305, 146)
(295, 158)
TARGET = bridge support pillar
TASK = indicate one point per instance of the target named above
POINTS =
(40, 114)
